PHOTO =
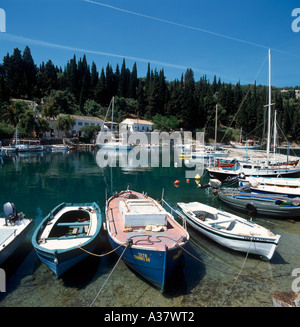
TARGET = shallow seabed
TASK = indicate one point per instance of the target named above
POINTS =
(210, 275)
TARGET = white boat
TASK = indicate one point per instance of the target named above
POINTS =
(13, 230)
(230, 230)
(276, 185)
(253, 168)
(107, 140)
(59, 147)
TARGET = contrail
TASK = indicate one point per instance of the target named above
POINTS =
(189, 27)
(25, 40)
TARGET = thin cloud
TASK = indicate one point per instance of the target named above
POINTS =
(25, 40)
(189, 27)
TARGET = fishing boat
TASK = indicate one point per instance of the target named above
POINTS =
(145, 235)
(13, 230)
(261, 204)
(274, 185)
(247, 144)
(67, 235)
(251, 168)
(230, 230)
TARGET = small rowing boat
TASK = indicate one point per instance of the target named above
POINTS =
(230, 230)
(67, 234)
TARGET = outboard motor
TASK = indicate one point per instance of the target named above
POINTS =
(11, 214)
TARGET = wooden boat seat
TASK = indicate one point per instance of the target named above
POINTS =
(74, 224)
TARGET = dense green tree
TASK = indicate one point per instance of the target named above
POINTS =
(81, 89)
(30, 72)
(65, 123)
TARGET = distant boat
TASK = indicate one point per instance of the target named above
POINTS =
(233, 168)
(13, 230)
(230, 230)
(275, 185)
(262, 204)
(24, 145)
(248, 144)
(59, 147)
(263, 167)
(67, 234)
(149, 235)
(112, 143)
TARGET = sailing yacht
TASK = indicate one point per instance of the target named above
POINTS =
(255, 167)
(107, 140)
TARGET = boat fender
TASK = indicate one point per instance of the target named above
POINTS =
(203, 185)
(242, 176)
(251, 208)
(296, 201)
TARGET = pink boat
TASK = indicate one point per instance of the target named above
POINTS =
(147, 237)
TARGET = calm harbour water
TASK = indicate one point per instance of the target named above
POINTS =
(36, 183)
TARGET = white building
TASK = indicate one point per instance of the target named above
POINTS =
(80, 121)
(136, 125)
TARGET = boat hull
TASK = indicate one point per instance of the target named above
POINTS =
(258, 204)
(154, 266)
(9, 249)
(220, 173)
(61, 261)
(255, 245)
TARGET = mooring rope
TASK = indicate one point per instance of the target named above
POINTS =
(101, 255)
(205, 263)
(237, 277)
(109, 275)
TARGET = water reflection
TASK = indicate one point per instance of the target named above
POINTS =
(37, 183)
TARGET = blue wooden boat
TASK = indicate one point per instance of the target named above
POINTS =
(67, 234)
(262, 204)
(145, 235)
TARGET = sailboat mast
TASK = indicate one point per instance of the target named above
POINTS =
(275, 133)
(112, 114)
(269, 112)
(216, 126)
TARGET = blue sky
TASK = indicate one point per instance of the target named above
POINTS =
(229, 39)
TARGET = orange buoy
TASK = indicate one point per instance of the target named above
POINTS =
(187, 180)
(176, 182)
